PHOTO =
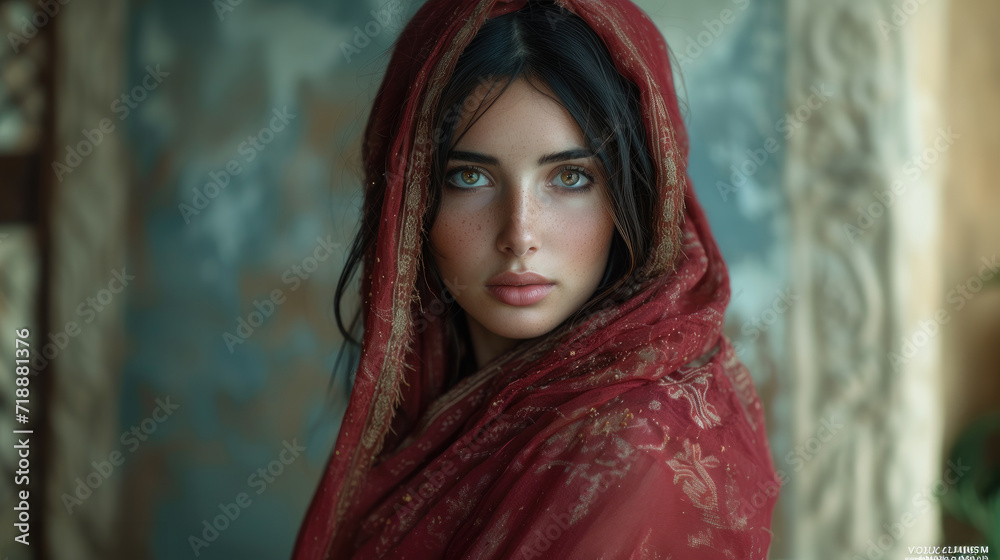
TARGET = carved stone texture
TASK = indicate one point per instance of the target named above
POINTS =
(865, 281)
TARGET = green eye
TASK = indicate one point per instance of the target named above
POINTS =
(467, 178)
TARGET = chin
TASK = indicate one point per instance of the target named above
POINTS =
(519, 324)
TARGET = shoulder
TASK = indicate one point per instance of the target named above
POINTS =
(676, 465)
(709, 409)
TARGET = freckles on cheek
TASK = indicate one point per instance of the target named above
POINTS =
(591, 246)
(587, 237)
(451, 235)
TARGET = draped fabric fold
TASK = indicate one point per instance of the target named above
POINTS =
(631, 432)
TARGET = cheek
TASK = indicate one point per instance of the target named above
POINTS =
(587, 239)
(453, 237)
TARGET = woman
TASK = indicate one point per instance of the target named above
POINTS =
(542, 369)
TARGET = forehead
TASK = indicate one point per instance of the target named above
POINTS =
(524, 120)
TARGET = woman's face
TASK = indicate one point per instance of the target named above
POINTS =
(524, 228)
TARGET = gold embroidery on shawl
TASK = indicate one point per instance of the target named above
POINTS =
(691, 470)
(701, 538)
(665, 252)
(388, 391)
(693, 387)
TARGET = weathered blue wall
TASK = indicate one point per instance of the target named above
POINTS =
(731, 55)
(275, 67)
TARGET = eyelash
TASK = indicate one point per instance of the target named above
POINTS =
(591, 180)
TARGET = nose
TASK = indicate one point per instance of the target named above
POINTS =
(518, 234)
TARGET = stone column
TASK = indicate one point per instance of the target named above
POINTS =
(863, 180)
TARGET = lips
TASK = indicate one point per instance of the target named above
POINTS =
(519, 290)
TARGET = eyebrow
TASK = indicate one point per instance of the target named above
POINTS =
(483, 159)
(473, 157)
(575, 153)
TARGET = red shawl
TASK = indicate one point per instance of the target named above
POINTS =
(631, 433)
